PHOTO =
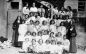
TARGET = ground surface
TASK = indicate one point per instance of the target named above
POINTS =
(14, 50)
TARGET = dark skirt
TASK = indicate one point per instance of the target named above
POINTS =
(15, 38)
(73, 48)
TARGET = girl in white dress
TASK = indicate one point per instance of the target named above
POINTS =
(53, 26)
(51, 36)
(66, 44)
(31, 27)
(34, 35)
(34, 45)
(44, 26)
(37, 25)
(58, 36)
(39, 36)
(39, 47)
(45, 35)
(27, 42)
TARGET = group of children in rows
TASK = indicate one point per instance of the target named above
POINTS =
(40, 34)
(43, 35)
(45, 42)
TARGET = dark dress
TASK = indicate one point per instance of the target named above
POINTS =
(72, 38)
(15, 31)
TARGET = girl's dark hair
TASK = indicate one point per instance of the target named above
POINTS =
(33, 33)
(43, 22)
(26, 15)
(69, 7)
(52, 21)
(52, 32)
(28, 32)
(39, 32)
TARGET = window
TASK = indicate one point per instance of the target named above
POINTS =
(81, 5)
(15, 5)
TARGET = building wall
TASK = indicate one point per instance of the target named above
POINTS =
(2, 18)
(5, 7)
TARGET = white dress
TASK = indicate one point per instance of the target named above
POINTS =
(45, 37)
(38, 38)
(31, 28)
(66, 44)
(44, 27)
(62, 29)
(53, 28)
(59, 21)
(26, 43)
(22, 31)
(43, 47)
(56, 49)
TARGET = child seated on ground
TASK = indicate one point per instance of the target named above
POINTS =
(66, 44)
(39, 46)
(39, 36)
(45, 35)
(27, 42)
(58, 36)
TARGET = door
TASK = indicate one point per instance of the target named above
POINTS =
(12, 15)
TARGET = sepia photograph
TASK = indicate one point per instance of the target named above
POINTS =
(42, 26)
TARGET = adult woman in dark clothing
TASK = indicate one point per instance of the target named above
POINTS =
(15, 30)
(72, 39)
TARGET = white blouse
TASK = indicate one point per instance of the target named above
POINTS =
(33, 9)
(26, 10)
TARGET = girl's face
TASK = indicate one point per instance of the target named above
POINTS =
(64, 37)
(62, 24)
(45, 32)
(40, 41)
(34, 34)
(53, 42)
(53, 22)
(44, 22)
(37, 22)
(27, 39)
(31, 22)
(26, 16)
(47, 42)
(23, 22)
(28, 33)
(59, 34)
(33, 41)
(39, 33)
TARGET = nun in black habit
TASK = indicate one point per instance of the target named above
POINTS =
(72, 38)
(16, 24)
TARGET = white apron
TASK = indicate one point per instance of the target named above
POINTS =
(22, 31)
